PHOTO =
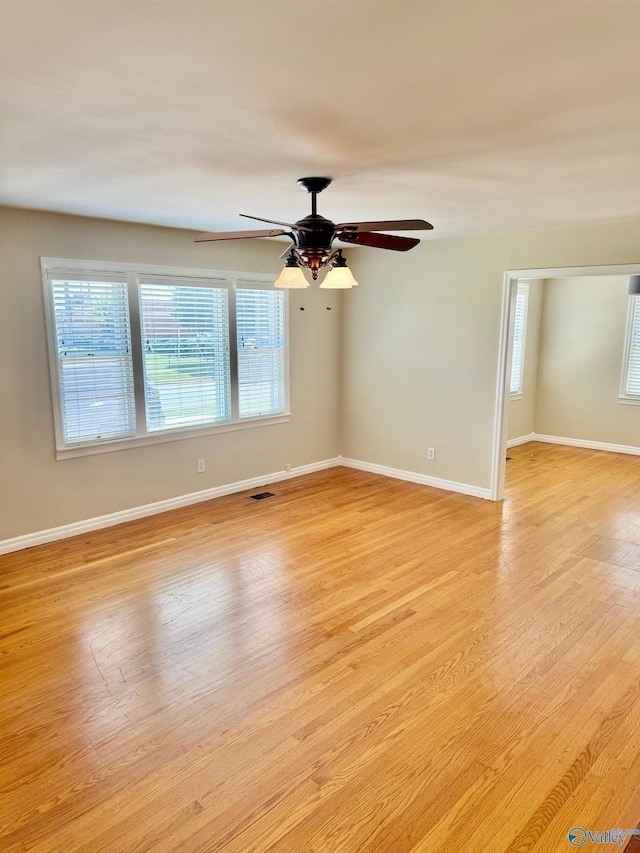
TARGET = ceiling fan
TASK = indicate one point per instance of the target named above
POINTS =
(313, 237)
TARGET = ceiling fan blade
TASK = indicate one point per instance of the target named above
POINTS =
(275, 222)
(286, 251)
(388, 225)
(380, 241)
(237, 235)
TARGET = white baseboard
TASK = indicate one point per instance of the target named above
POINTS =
(67, 530)
(574, 442)
(413, 477)
(590, 445)
(521, 439)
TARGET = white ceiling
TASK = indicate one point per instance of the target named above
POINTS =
(478, 116)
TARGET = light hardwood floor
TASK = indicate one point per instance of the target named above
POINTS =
(357, 664)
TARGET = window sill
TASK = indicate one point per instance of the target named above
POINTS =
(168, 436)
(516, 396)
(629, 401)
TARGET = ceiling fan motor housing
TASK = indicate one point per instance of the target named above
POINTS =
(313, 244)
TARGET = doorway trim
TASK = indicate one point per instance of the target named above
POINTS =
(509, 292)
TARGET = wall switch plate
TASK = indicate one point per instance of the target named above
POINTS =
(431, 453)
(201, 466)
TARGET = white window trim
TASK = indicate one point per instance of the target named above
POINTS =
(58, 266)
(624, 398)
(523, 290)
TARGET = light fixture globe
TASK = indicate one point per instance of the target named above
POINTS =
(339, 276)
(291, 276)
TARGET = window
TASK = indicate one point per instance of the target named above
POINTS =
(630, 390)
(185, 355)
(94, 366)
(145, 354)
(519, 335)
(260, 324)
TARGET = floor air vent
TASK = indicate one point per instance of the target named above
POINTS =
(261, 496)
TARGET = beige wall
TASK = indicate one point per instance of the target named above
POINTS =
(420, 342)
(522, 410)
(580, 363)
(37, 491)
(414, 364)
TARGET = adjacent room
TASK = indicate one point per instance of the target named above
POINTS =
(320, 426)
(576, 363)
(575, 367)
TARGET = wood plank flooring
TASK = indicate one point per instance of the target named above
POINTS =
(357, 664)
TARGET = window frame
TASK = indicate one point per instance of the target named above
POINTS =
(623, 397)
(232, 280)
(522, 290)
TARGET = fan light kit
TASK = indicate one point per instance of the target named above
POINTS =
(313, 237)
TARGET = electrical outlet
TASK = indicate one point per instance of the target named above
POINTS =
(431, 453)
(287, 467)
(201, 466)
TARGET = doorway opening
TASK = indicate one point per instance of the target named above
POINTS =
(522, 299)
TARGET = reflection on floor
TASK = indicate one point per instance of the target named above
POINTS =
(355, 664)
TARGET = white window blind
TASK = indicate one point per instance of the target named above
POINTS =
(185, 349)
(144, 354)
(93, 354)
(520, 328)
(632, 387)
(261, 357)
